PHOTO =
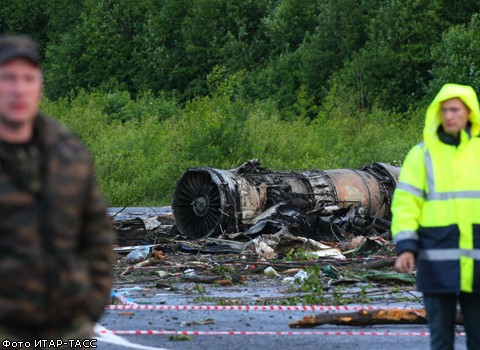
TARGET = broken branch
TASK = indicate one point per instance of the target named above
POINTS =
(368, 317)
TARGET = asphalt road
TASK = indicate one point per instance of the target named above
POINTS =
(258, 325)
(138, 212)
(256, 321)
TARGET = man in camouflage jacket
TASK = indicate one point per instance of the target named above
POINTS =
(55, 237)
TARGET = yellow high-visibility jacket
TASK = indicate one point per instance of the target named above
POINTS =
(436, 205)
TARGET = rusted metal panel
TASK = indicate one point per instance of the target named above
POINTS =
(356, 188)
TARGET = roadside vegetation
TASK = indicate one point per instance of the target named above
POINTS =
(154, 87)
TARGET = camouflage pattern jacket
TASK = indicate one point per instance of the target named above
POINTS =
(55, 237)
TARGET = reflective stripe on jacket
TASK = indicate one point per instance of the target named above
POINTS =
(436, 206)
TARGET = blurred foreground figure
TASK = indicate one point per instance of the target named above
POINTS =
(55, 236)
(436, 215)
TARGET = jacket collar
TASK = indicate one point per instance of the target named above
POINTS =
(450, 139)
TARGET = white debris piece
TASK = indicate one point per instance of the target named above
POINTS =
(151, 223)
(270, 271)
(259, 248)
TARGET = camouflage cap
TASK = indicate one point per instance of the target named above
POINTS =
(18, 46)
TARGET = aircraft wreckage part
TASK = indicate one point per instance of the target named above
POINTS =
(209, 201)
(204, 201)
(350, 187)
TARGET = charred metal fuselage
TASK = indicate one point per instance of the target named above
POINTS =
(208, 202)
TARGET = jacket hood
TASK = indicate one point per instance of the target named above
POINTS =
(448, 91)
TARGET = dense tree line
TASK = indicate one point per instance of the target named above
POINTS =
(381, 50)
(191, 78)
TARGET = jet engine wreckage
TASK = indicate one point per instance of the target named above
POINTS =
(319, 204)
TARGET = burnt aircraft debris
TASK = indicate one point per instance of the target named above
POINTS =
(251, 199)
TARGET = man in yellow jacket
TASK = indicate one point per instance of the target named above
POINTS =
(436, 215)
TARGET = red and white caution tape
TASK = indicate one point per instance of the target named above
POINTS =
(253, 307)
(283, 333)
(109, 337)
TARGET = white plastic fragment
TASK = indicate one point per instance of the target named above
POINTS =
(189, 272)
(162, 273)
(138, 255)
(300, 275)
(270, 271)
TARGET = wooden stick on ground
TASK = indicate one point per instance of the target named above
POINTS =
(371, 265)
(367, 317)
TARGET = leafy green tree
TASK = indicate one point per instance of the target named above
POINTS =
(25, 17)
(289, 22)
(310, 40)
(392, 69)
(280, 78)
(459, 11)
(97, 51)
(279, 82)
(62, 16)
(221, 32)
(293, 53)
(456, 59)
(160, 50)
(340, 32)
